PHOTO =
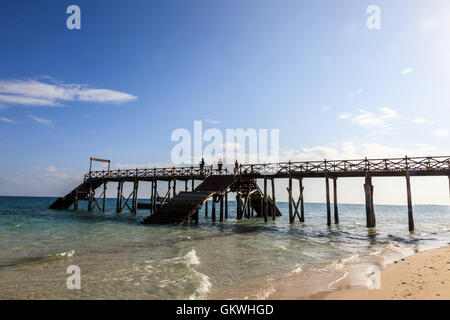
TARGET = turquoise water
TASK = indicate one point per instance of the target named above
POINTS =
(123, 259)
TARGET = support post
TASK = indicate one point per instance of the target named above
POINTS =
(291, 218)
(327, 184)
(90, 196)
(213, 209)
(370, 212)
(169, 183)
(119, 196)
(265, 209)
(410, 209)
(335, 202)
(226, 205)
(273, 200)
(302, 202)
(151, 198)
(206, 209)
(135, 200)
(104, 196)
(221, 208)
(185, 185)
(174, 188)
(238, 209)
(196, 216)
(155, 196)
(193, 184)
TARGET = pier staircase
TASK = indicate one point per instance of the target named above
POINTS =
(179, 209)
(250, 191)
(83, 194)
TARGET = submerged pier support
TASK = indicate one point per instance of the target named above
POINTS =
(327, 185)
(335, 202)
(410, 208)
(370, 211)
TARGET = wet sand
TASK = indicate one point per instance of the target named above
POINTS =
(425, 275)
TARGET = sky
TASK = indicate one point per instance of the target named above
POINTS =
(137, 70)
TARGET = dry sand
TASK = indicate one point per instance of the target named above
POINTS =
(425, 275)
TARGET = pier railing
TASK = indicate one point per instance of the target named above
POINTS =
(185, 172)
(349, 166)
(391, 165)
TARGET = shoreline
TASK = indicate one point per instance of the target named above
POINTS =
(423, 275)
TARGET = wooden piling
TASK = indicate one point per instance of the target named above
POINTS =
(155, 197)
(238, 207)
(174, 188)
(185, 185)
(335, 202)
(370, 212)
(206, 209)
(135, 198)
(221, 208)
(90, 196)
(302, 203)
(410, 208)
(104, 196)
(265, 208)
(213, 209)
(274, 205)
(327, 184)
(119, 196)
(291, 216)
(226, 205)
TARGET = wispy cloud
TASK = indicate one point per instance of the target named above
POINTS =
(370, 120)
(39, 93)
(46, 122)
(7, 120)
(407, 70)
(423, 121)
(441, 133)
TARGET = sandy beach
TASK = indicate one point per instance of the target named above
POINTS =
(425, 275)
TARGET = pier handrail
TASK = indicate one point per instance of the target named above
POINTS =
(404, 164)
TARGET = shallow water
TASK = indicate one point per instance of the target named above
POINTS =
(120, 258)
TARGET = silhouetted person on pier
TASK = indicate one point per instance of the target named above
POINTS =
(202, 165)
(220, 165)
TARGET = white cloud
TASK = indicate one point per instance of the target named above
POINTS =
(345, 116)
(441, 133)
(47, 122)
(423, 121)
(7, 120)
(38, 93)
(372, 121)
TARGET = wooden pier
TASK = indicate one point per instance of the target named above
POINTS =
(242, 180)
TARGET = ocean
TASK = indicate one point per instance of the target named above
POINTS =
(120, 258)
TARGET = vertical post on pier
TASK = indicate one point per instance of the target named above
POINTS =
(206, 209)
(274, 206)
(185, 185)
(249, 203)
(335, 202)
(291, 220)
(265, 209)
(196, 216)
(302, 202)
(104, 196)
(327, 184)
(370, 212)
(119, 196)
(193, 184)
(238, 208)
(135, 200)
(155, 196)
(174, 188)
(410, 209)
(226, 205)
(169, 183)
(213, 209)
(75, 203)
(151, 198)
(90, 196)
(221, 208)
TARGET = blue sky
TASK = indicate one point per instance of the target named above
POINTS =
(138, 70)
